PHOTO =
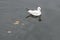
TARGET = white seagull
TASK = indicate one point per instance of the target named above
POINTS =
(35, 13)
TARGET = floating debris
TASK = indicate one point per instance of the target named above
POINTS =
(9, 31)
(17, 22)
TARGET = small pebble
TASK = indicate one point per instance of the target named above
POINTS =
(17, 22)
(9, 32)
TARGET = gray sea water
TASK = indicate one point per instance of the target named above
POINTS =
(47, 29)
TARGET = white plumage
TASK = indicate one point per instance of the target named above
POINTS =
(35, 12)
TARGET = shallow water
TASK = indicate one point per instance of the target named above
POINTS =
(30, 28)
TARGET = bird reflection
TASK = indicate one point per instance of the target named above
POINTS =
(39, 17)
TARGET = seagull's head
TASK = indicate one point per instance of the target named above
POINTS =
(38, 8)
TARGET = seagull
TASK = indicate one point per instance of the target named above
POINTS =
(34, 13)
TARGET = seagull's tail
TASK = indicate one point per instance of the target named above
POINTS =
(27, 9)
